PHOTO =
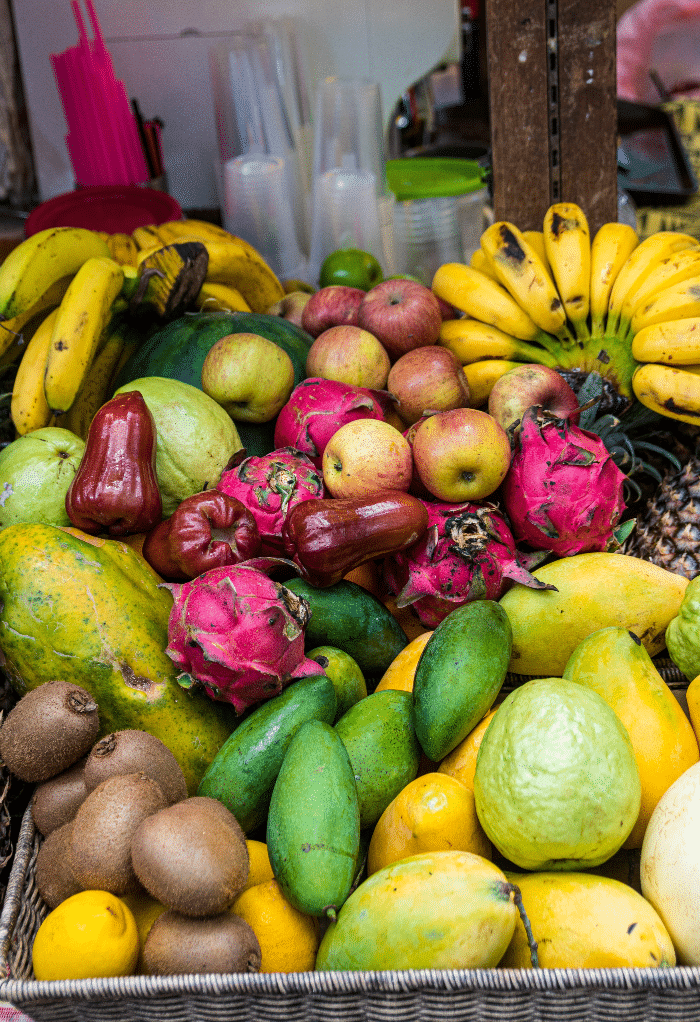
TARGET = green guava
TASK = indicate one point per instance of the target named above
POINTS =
(683, 632)
(35, 473)
(195, 441)
(556, 785)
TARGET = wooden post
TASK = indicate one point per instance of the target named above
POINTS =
(553, 113)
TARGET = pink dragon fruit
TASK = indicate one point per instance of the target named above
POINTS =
(317, 408)
(270, 485)
(563, 491)
(468, 553)
(238, 634)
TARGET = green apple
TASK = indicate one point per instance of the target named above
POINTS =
(35, 473)
(250, 376)
(352, 267)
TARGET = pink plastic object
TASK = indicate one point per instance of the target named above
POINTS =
(103, 141)
(661, 36)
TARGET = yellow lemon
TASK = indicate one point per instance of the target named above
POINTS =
(461, 762)
(402, 670)
(90, 934)
(581, 921)
(288, 938)
(145, 910)
(432, 813)
(260, 869)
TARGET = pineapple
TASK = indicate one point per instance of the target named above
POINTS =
(668, 531)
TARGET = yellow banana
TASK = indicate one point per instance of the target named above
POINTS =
(41, 260)
(680, 301)
(123, 248)
(673, 342)
(214, 297)
(669, 391)
(641, 261)
(15, 332)
(536, 239)
(82, 316)
(192, 229)
(482, 297)
(481, 262)
(242, 267)
(677, 268)
(611, 247)
(470, 341)
(567, 242)
(28, 407)
(481, 376)
(147, 236)
(96, 388)
(524, 275)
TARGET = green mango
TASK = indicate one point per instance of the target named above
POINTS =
(459, 674)
(436, 910)
(90, 611)
(380, 737)
(344, 671)
(244, 770)
(313, 825)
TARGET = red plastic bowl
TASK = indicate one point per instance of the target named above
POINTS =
(111, 209)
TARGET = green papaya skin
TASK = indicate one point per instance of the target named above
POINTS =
(313, 825)
(349, 617)
(380, 737)
(91, 612)
(436, 910)
(459, 674)
(244, 770)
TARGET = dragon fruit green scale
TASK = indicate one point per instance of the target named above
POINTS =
(238, 634)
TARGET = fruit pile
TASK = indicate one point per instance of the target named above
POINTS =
(352, 559)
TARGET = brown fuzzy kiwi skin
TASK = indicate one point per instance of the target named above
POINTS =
(48, 730)
(178, 944)
(53, 875)
(130, 751)
(100, 845)
(57, 800)
(190, 858)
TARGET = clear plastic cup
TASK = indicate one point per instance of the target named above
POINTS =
(258, 206)
(349, 129)
(430, 232)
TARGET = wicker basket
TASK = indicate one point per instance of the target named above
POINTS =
(477, 995)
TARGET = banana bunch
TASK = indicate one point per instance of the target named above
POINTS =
(237, 277)
(626, 309)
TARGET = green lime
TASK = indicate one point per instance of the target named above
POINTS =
(345, 675)
(351, 267)
(556, 784)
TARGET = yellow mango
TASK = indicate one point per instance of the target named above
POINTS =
(613, 662)
(582, 921)
(594, 590)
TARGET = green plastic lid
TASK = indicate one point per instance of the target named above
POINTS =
(431, 177)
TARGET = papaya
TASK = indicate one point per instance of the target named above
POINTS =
(614, 663)
(592, 590)
(436, 910)
(89, 611)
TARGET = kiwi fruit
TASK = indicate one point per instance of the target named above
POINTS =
(101, 834)
(178, 944)
(131, 751)
(191, 857)
(57, 800)
(48, 730)
(54, 878)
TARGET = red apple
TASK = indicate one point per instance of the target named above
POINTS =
(461, 455)
(402, 313)
(427, 378)
(351, 355)
(527, 385)
(291, 307)
(366, 456)
(331, 306)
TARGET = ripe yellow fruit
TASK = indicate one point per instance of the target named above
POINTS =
(288, 938)
(581, 921)
(432, 813)
(402, 670)
(259, 870)
(461, 762)
(692, 695)
(145, 910)
(90, 934)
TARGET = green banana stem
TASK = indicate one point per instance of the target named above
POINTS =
(610, 356)
(525, 352)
